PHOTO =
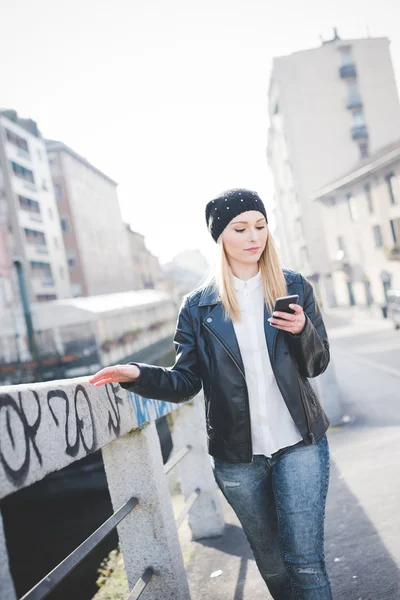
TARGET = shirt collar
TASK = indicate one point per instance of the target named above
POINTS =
(250, 284)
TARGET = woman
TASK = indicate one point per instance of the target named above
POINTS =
(266, 429)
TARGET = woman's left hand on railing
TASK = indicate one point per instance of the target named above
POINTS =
(115, 374)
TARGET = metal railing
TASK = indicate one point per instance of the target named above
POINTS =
(61, 571)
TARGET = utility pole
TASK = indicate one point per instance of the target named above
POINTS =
(27, 315)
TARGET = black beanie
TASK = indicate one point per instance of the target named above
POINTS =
(227, 206)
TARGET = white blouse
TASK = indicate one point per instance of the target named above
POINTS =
(272, 426)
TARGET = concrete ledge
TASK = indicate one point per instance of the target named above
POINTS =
(46, 426)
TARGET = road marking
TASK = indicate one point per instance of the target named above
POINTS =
(370, 363)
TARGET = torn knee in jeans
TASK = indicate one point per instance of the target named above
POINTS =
(230, 484)
(308, 571)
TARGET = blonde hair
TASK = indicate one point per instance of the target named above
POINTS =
(272, 278)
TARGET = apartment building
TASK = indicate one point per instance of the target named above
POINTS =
(29, 224)
(95, 237)
(147, 272)
(329, 107)
(361, 222)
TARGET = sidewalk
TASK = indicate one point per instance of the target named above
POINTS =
(356, 313)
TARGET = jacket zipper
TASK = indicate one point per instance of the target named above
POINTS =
(244, 377)
(310, 434)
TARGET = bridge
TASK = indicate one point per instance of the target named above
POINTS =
(47, 426)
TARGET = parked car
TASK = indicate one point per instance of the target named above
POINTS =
(393, 307)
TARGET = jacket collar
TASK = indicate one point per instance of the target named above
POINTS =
(209, 294)
(224, 329)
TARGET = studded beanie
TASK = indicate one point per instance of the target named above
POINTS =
(227, 206)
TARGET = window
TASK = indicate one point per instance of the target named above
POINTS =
(64, 224)
(368, 195)
(378, 236)
(71, 262)
(21, 172)
(340, 243)
(395, 227)
(393, 188)
(58, 191)
(299, 227)
(364, 149)
(304, 255)
(352, 207)
(40, 269)
(45, 297)
(346, 56)
(56, 243)
(358, 118)
(35, 237)
(39, 155)
(44, 185)
(29, 205)
(353, 95)
(50, 214)
(352, 88)
(16, 140)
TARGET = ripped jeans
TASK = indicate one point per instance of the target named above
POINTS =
(280, 502)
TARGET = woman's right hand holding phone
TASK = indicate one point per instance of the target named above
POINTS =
(115, 374)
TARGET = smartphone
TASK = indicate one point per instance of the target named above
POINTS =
(282, 304)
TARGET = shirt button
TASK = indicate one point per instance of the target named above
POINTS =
(209, 320)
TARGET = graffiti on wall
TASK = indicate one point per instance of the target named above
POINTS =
(72, 413)
(146, 410)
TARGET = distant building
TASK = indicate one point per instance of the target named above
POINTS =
(29, 223)
(186, 270)
(329, 107)
(361, 225)
(95, 238)
(147, 272)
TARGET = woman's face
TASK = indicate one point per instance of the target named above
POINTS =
(245, 237)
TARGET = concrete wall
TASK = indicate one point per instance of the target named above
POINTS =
(99, 240)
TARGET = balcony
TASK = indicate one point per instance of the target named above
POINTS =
(347, 71)
(48, 282)
(354, 102)
(37, 217)
(41, 249)
(359, 132)
(23, 154)
(393, 252)
(29, 185)
(35, 251)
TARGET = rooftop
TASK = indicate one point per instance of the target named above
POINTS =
(73, 311)
(381, 158)
(28, 124)
(56, 146)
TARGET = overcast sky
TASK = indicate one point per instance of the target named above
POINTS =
(169, 98)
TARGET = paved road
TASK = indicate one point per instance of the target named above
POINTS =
(362, 521)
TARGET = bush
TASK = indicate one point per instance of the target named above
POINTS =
(112, 579)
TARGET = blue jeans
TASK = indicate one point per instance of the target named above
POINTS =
(280, 502)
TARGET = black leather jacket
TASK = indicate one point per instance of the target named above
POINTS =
(208, 355)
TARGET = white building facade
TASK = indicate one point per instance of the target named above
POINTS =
(361, 223)
(29, 229)
(329, 107)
